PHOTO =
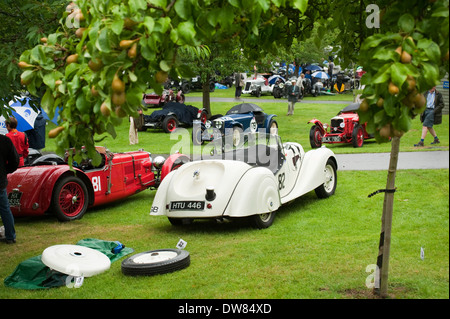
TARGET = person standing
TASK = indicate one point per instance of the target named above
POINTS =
(300, 85)
(19, 139)
(330, 73)
(293, 93)
(432, 115)
(9, 161)
(239, 82)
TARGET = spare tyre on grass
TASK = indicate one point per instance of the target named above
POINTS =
(153, 262)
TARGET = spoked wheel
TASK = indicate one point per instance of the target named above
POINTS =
(357, 136)
(329, 186)
(237, 136)
(170, 124)
(261, 221)
(203, 117)
(197, 133)
(154, 262)
(69, 199)
(315, 136)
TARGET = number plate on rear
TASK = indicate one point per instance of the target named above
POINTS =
(187, 205)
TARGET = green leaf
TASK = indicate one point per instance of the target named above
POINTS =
(47, 101)
(430, 74)
(300, 5)
(186, 32)
(265, 5)
(234, 3)
(383, 74)
(102, 42)
(49, 80)
(379, 116)
(430, 48)
(183, 9)
(406, 22)
(164, 65)
(136, 5)
(389, 105)
(399, 73)
(117, 26)
(82, 104)
(149, 23)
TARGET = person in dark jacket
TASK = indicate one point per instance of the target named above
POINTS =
(432, 115)
(9, 161)
(293, 93)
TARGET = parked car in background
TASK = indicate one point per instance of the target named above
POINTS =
(344, 128)
(171, 116)
(168, 95)
(257, 86)
(240, 121)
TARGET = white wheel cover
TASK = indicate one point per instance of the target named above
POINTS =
(75, 260)
(155, 257)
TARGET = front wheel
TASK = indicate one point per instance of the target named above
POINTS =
(69, 199)
(170, 124)
(273, 127)
(315, 136)
(197, 132)
(238, 135)
(329, 186)
(357, 136)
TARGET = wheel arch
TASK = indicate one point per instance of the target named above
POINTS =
(255, 193)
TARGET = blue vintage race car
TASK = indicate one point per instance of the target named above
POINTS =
(238, 123)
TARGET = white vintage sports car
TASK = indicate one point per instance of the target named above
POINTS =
(250, 182)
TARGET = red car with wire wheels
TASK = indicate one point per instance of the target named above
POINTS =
(167, 96)
(344, 128)
(49, 185)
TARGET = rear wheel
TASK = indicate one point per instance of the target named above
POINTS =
(69, 199)
(180, 221)
(329, 186)
(261, 221)
(315, 136)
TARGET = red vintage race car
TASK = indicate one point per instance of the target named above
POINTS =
(345, 128)
(167, 95)
(48, 185)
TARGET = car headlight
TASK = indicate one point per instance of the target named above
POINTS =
(159, 162)
(325, 126)
(208, 124)
(218, 124)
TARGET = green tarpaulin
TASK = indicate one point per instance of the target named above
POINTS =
(34, 274)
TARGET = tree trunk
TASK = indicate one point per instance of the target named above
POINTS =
(386, 223)
(206, 95)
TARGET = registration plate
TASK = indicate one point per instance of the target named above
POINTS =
(331, 139)
(187, 205)
(14, 199)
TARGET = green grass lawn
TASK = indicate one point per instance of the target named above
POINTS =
(316, 249)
